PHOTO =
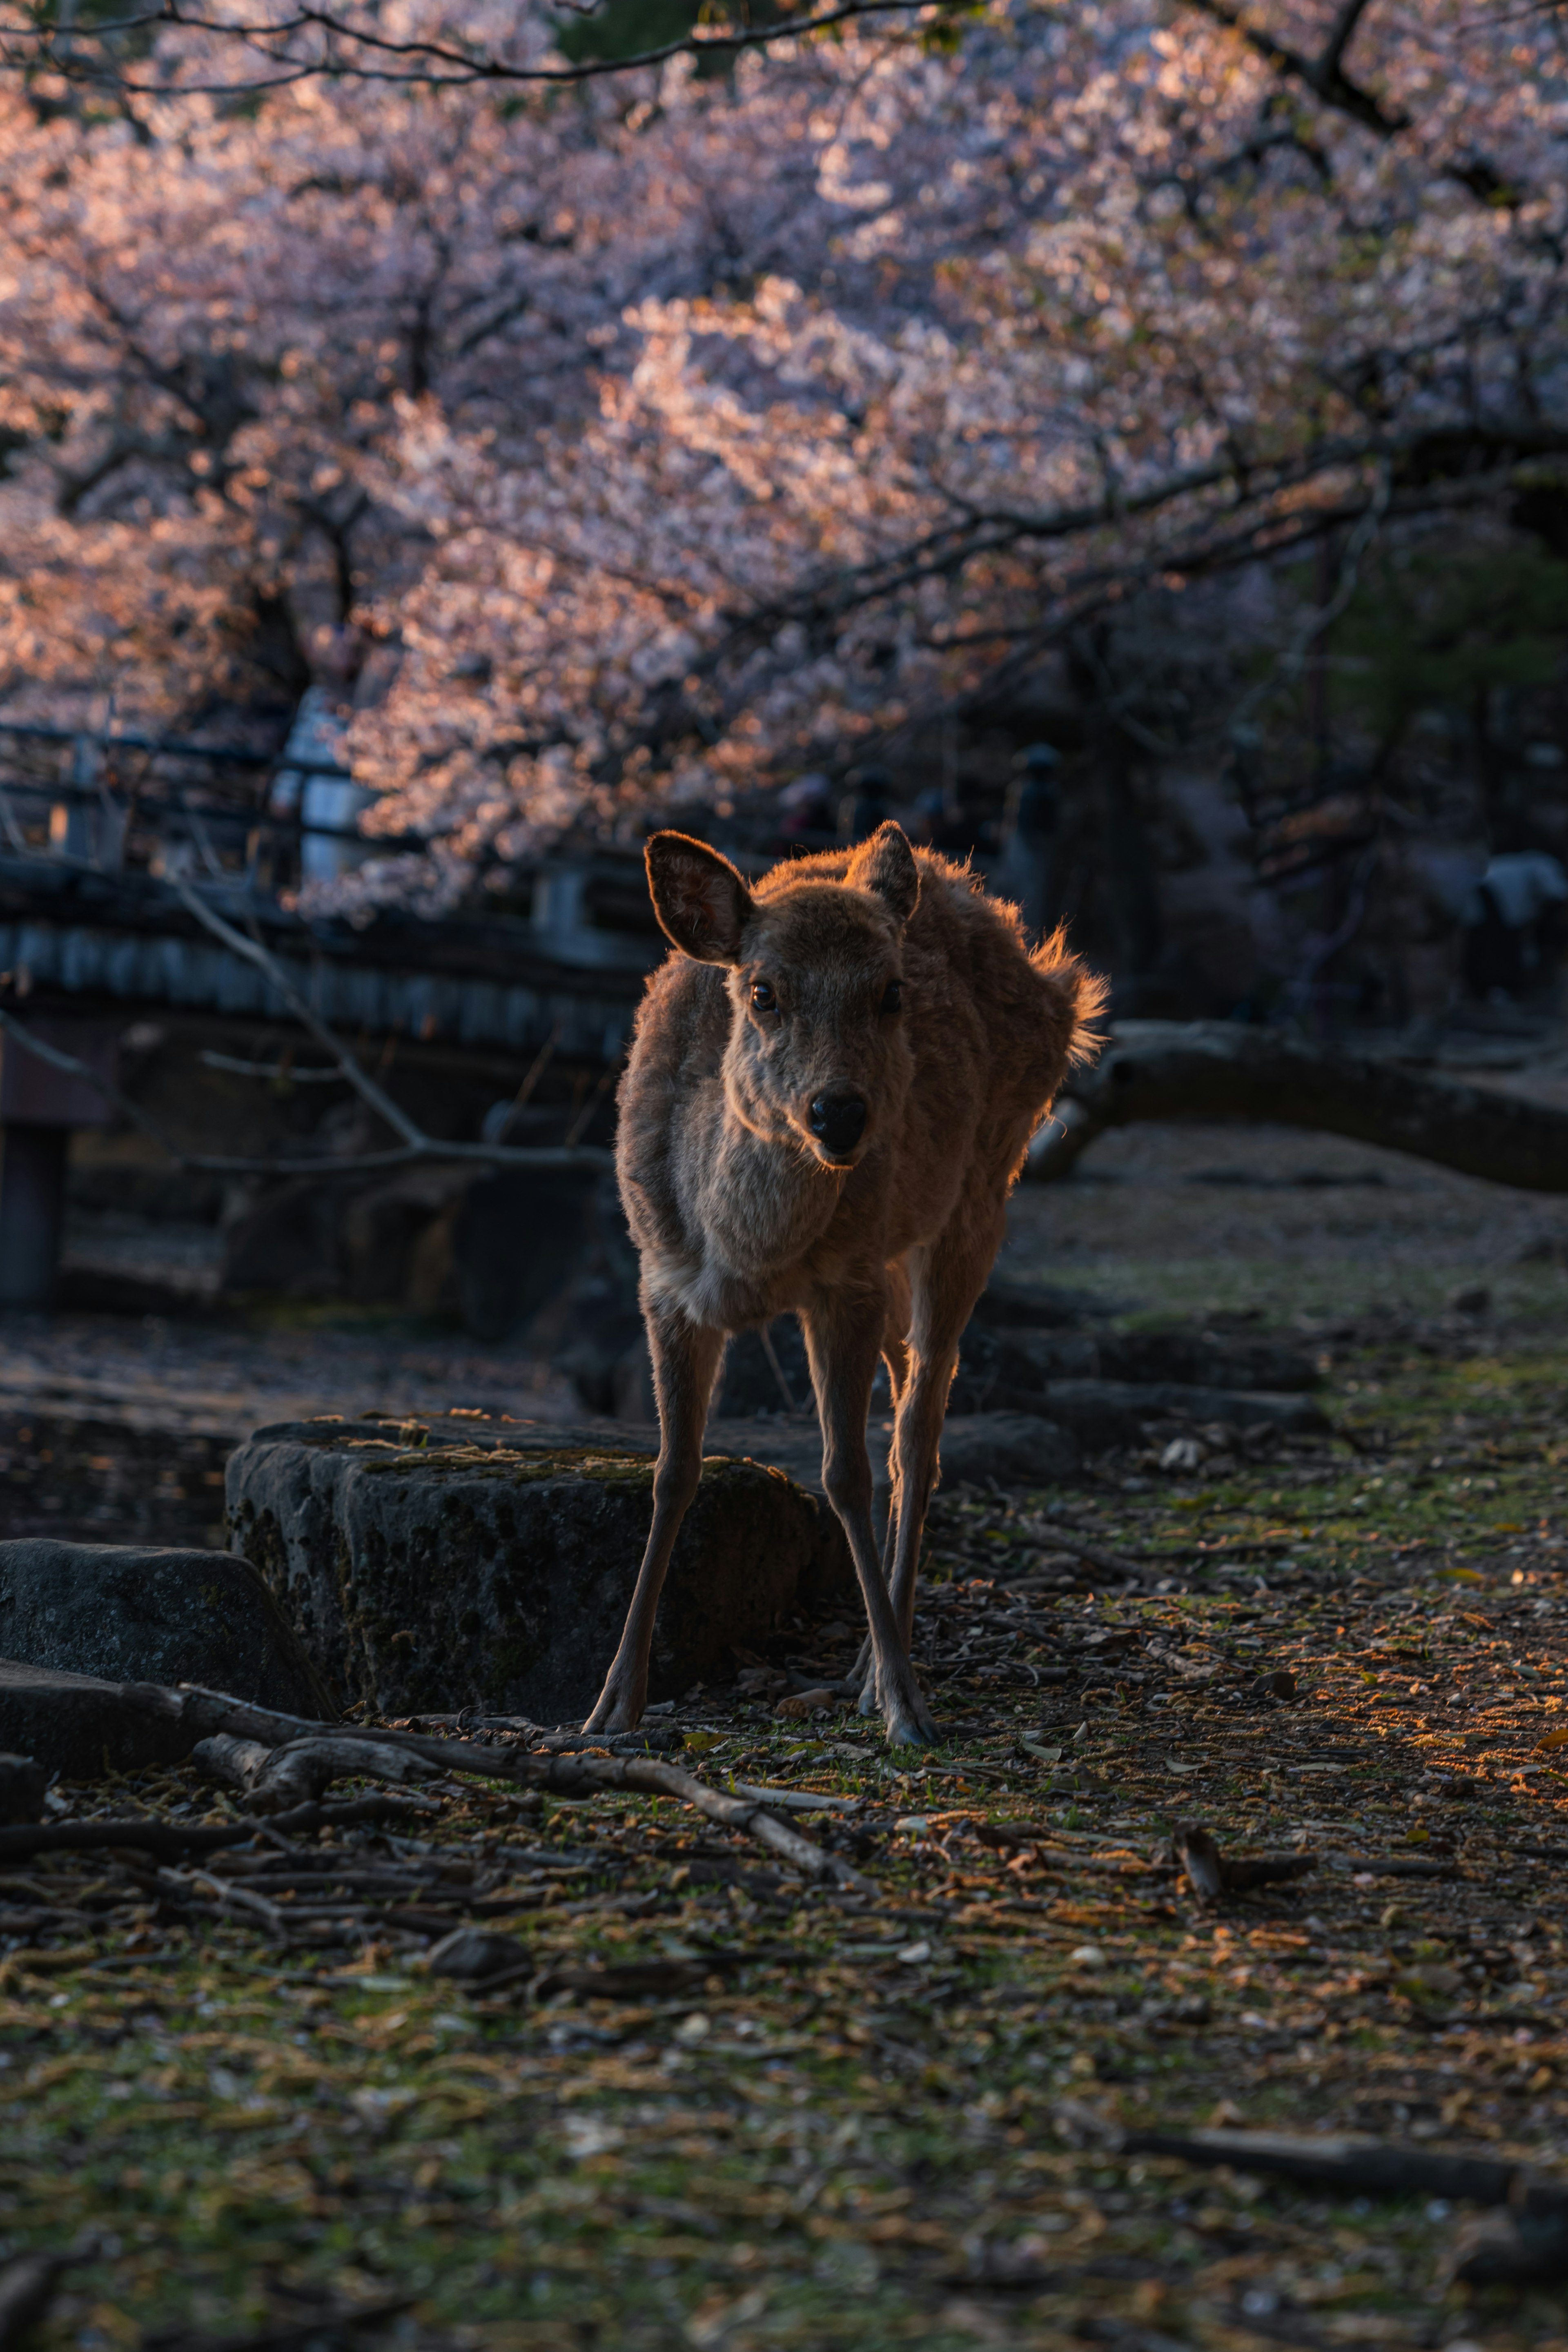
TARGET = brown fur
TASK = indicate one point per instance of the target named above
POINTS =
(741, 1212)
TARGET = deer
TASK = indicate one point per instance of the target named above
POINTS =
(831, 1089)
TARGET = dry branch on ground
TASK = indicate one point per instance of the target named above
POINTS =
(600, 2044)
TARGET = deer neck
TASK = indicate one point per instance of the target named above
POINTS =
(767, 1199)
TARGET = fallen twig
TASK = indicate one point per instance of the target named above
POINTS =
(277, 1779)
(229, 1897)
(210, 1713)
(579, 1774)
(1211, 1873)
(1043, 1843)
(1360, 2167)
(1397, 1865)
(796, 1800)
(319, 2327)
(1116, 1563)
(170, 1839)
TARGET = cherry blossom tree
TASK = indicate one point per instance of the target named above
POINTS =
(685, 430)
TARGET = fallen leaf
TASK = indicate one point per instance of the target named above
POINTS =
(802, 1703)
(471, 1954)
(1431, 1982)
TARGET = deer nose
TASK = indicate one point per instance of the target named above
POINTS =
(840, 1120)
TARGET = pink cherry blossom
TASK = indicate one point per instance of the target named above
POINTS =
(678, 435)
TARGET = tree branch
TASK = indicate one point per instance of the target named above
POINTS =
(1324, 75)
(1249, 512)
(361, 1163)
(416, 1145)
(1221, 1069)
(253, 952)
(206, 1713)
(447, 67)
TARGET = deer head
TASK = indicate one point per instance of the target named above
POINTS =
(817, 1055)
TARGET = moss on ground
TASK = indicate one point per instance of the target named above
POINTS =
(886, 2127)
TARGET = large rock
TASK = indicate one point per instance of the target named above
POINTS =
(1102, 1414)
(461, 1562)
(126, 1614)
(1015, 1449)
(1011, 1369)
(83, 1728)
(22, 1781)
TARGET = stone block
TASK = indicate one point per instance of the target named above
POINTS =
(82, 1727)
(448, 1564)
(136, 1613)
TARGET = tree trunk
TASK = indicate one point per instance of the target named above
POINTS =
(1219, 1069)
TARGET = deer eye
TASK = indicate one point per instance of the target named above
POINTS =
(763, 997)
(892, 997)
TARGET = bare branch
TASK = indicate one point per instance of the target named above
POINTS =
(430, 63)
(1341, 37)
(344, 45)
(277, 1073)
(1320, 619)
(1255, 491)
(1324, 75)
(74, 1069)
(363, 1163)
(253, 952)
(416, 1145)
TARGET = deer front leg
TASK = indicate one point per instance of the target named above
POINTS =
(685, 1365)
(843, 1338)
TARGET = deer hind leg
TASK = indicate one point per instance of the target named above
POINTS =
(948, 1279)
(685, 1366)
(896, 1356)
(844, 1337)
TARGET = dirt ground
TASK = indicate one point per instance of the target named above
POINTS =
(1200, 1219)
(908, 2113)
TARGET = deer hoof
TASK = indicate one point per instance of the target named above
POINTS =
(612, 1712)
(908, 1720)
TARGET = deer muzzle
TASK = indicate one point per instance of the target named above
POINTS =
(838, 1120)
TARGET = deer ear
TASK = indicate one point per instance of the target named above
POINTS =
(700, 901)
(886, 867)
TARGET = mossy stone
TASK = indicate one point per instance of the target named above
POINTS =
(436, 1565)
